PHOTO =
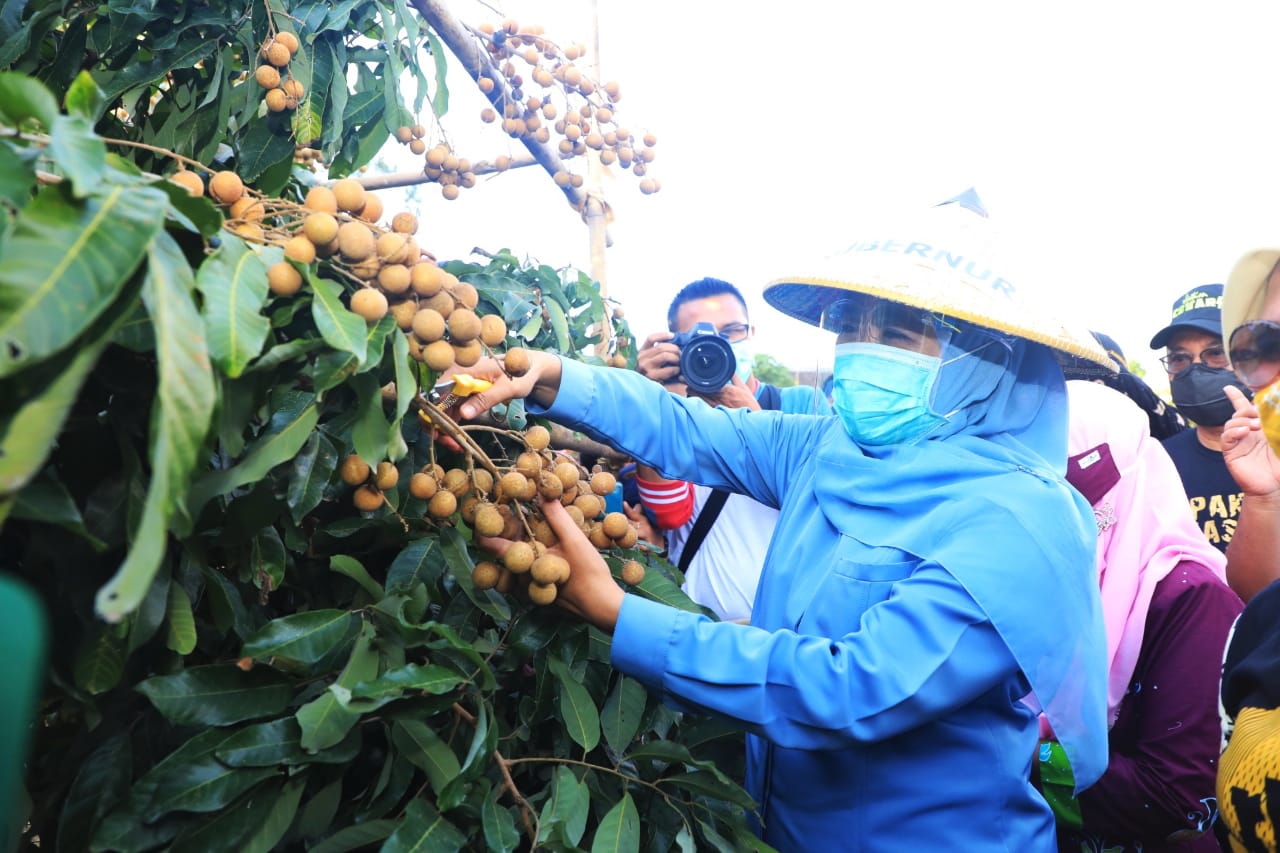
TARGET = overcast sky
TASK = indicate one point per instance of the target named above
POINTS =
(1130, 149)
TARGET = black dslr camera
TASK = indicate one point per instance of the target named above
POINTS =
(707, 361)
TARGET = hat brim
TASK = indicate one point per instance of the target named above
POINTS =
(1246, 290)
(1161, 338)
(806, 298)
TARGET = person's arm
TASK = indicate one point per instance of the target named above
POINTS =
(1253, 555)
(1156, 783)
(671, 501)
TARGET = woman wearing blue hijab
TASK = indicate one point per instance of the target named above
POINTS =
(930, 585)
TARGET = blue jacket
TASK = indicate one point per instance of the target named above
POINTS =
(880, 692)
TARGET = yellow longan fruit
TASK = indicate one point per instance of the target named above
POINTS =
(549, 486)
(300, 249)
(404, 223)
(321, 199)
(442, 505)
(519, 557)
(267, 76)
(537, 437)
(632, 572)
(576, 514)
(516, 361)
(442, 303)
(394, 278)
(189, 181)
(283, 278)
(354, 470)
(511, 485)
(428, 325)
(370, 304)
(276, 53)
(225, 187)
(493, 330)
(449, 192)
(320, 228)
(250, 231)
(293, 88)
(464, 326)
(417, 146)
(597, 538)
(468, 354)
(628, 539)
(247, 207)
(590, 505)
(372, 209)
(438, 355)
(542, 594)
(277, 101)
(423, 486)
(567, 472)
(603, 483)
(391, 247)
(403, 134)
(289, 40)
(426, 278)
(367, 498)
(355, 241)
(529, 464)
(386, 476)
(615, 525)
(485, 575)
(549, 568)
(403, 311)
(349, 194)
(457, 481)
(488, 521)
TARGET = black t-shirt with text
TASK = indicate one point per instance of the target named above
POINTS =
(1215, 497)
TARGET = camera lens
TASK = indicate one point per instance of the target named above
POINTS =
(707, 363)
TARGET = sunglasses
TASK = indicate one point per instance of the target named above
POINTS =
(1255, 352)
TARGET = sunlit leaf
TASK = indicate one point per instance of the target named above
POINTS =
(233, 281)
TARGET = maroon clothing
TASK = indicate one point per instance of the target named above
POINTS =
(1158, 791)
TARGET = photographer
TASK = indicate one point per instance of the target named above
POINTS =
(717, 539)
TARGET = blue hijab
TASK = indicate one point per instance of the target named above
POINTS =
(984, 497)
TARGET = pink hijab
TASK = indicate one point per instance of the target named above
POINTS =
(1145, 524)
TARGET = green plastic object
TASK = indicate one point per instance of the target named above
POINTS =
(24, 639)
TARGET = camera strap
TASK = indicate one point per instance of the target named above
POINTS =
(770, 398)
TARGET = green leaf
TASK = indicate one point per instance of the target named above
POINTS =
(304, 637)
(356, 836)
(711, 784)
(181, 636)
(560, 324)
(424, 829)
(233, 281)
(565, 812)
(369, 434)
(352, 568)
(423, 747)
(100, 783)
(23, 97)
(577, 709)
(218, 694)
(421, 561)
(289, 429)
(267, 559)
(500, 833)
(427, 678)
(47, 500)
(100, 663)
(622, 712)
(619, 829)
(79, 152)
(48, 297)
(260, 149)
(280, 742)
(206, 785)
(340, 329)
(180, 418)
(275, 824)
(84, 98)
(312, 470)
(234, 828)
(326, 720)
(458, 559)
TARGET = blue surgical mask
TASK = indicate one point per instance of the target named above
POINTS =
(746, 359)
(881, 393)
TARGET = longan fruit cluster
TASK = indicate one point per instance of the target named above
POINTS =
(370, 483)
(559, 99)
(443, 165)
(281, 92)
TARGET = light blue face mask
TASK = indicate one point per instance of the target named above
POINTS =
(881, 393)
(746, 359)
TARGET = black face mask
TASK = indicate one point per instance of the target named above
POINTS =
(1197, 392)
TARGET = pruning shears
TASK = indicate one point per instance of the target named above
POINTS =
(447, 392)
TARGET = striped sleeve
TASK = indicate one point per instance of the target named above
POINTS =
(671, 501)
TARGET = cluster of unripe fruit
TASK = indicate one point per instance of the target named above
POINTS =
(584, 119)
(443, 167)
(506, 505)
(281, 91)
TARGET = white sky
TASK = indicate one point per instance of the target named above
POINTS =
(1131, 149)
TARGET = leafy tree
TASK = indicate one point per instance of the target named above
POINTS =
(244, 654)
(769, 369)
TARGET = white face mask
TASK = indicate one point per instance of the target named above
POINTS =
(746, 359)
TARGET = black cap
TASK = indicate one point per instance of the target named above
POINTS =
(1199, 308)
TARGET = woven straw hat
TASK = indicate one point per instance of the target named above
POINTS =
(1246, 290)
(943, 260)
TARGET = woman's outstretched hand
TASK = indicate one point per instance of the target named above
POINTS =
(590, 592)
